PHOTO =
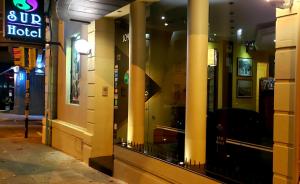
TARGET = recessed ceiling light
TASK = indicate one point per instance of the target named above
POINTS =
(163, 17)
(147, 36)
(239, 32)
(166, 24)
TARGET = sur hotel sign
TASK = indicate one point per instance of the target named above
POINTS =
(24, 20)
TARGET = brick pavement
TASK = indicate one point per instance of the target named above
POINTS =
(29, 162)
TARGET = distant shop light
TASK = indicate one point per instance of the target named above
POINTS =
(166, 24)
(282, 4)
(21, 76)
(16, 69)
(147, 36)
(239, 32)
(82, 47)
(40, 65)
(163, 17)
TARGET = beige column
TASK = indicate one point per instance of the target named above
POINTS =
(297, 105)
(196, 100)
(51, 69)
(136, 94)
(100, 88)
(285, 96)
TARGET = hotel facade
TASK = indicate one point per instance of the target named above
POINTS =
(187, 91)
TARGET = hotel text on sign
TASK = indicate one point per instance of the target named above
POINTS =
(24, 20)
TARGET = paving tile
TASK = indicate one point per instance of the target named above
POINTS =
(29, 162)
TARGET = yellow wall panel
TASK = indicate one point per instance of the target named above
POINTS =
(285, 64)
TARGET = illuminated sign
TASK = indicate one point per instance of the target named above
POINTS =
(40, 65)
(24, 20)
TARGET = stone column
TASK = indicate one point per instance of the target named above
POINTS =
(100, 88)
(196, 100)
(51, 70)
(297, 105)
(285, 96)
(136, 94)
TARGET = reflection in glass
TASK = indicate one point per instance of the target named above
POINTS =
(166, 68)
(75, 72)
(240, 87)
(240, 130)
(73, 31)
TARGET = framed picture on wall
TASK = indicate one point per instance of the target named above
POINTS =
(244, 88)
(244, 67)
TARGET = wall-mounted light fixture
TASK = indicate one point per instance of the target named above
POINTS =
(239, 34)
(250, 46)
(282, 4)
(82, 47)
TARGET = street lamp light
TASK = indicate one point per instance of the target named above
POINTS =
(82, 47)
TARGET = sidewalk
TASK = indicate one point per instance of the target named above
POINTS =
(16, 117)
(29, 162)
(12, 125)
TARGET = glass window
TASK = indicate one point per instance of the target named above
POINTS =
(75, 72)
(73, 32)
(121, 77)
(241, 91)
(166, 79)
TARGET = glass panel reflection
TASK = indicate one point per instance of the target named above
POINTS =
(240, 91)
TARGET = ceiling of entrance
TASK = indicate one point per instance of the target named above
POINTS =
(252, 16)
(255, 17)
(87, 10)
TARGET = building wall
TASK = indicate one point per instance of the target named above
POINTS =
(284, 150)
(128, 167)
(19, 101)
(85, 130)
(69, 132)
(297, 111)
(37, 93)
(79, 129)
(256, 56)
(66, 111)
(100, 96)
